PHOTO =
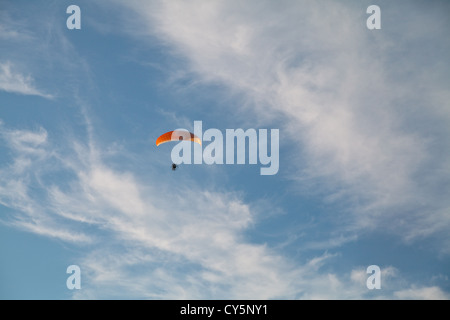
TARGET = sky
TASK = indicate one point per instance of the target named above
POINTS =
(363, 118)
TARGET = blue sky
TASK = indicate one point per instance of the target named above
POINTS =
(363, 178)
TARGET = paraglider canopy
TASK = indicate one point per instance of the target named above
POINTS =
(177, 135)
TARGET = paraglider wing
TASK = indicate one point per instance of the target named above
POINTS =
(177, 135)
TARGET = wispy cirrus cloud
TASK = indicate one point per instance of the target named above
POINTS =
(145, 235)
(13, 28)
(159, 240)
(422, 293)
(8, 33)
(190, 227)
(30, 162)
(357, 125)
(16, 82)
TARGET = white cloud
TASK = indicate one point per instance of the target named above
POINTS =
(7, 33)
(199, 228)
(188, 227)
(15, 82)
(160, 240)
(347, 102)
(12, 29)
(425, 293)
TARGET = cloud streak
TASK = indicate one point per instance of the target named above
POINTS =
(198, 229)
(15, 82)
(159, 240)
(346, 102)
(145, 235)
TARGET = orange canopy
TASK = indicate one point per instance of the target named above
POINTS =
(177, 135)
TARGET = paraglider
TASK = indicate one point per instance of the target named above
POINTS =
(177, 135)
(229, 147)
